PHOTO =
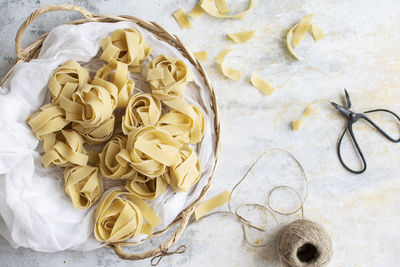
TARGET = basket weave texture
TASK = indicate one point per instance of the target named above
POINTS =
(32, 51)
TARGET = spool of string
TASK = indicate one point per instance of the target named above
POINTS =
(302, 243)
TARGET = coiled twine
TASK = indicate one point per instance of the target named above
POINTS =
(304, 243)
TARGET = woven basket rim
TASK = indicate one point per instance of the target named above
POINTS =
(32, 51)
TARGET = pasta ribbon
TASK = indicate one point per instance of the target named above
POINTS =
(228, 72)
(142, 109)
(121, 215)
(168, 77)
(116, 73)
(186, 173)
(90, 106)
(64, 149)
(301, 29)
(211, 204)
(261, 85)
(150, 150)
(146, 188)
(182, 19)
(84, 185)
(201, 55)
(96, 135)
(240, 37)
(112, 165)
(49, 119)
(66, 80)
(126, 46)
(296, 125)
(219, 8)
(184, 122)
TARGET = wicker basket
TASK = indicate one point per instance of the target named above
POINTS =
(32, 52)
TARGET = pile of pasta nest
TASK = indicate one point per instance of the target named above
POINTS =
(151, 153)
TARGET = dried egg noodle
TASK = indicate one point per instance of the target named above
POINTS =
(84, 185)
(150, 150)
(49, 119)
(105, 77)
(142, 109)
(168, 77)
(201, 55)
(182, 19)
(64, 149)
(184, 122)
(211, 204)
(90, 106)
(66, 80)
(186, 173)
(317, 33)
(228, 72)
(126, 46)
(219, 9)
(307, 112)
(240, 37)
(301, 30)
(112, 165)
(146, 188)
(120, 216)
(96, 135)
(261, 85)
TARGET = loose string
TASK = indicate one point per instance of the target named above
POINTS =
(156, 259)
(269, 208)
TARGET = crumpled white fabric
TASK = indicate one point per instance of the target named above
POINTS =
(35, 212)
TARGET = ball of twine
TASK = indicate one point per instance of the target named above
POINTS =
(304, 243)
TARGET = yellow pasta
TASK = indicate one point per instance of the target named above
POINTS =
(142, 109)
(219, 10)
(168, 77)
(261, 85)
(66, 80)
(121, 215)
(240, 37)
(182, 19)
(90, 106)
(289, 36)
(296, 124)
(317, 32)
(96, 135)
(117, 74)
(183, 175)
(84, 185)
(112, 165)
(201, 55)
(301, 30)
(146, 188)
(184, 122)
(49, 119)
(211, 204)
(197, 11)
(228, 72)
(126, 46)
(150, 150)
(64, 149)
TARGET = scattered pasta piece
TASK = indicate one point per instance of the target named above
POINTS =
(222, 6)
(201, 55)
(228, 72)
(261, 85)
(211, 204)
(83, 185)
(120, 215)
(218, 10)
(296, 124)
(182, 19)
(240, 37)
(197, 11)
(297, 33)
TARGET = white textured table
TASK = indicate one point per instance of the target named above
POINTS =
(361, 52)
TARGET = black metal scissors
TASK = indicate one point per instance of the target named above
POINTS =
(353, 117)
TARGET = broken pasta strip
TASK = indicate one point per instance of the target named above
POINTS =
(218, 10)
(296, 125)
(211, 204)
(228, 72)
(197, 11)
(317, 32)
(201, 55)
(240, 37)
(301, 30)
(182, 19)
(261, 85)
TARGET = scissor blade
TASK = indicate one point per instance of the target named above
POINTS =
(342, 110)
(348, 102)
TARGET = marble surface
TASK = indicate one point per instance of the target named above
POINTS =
(361, 52)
